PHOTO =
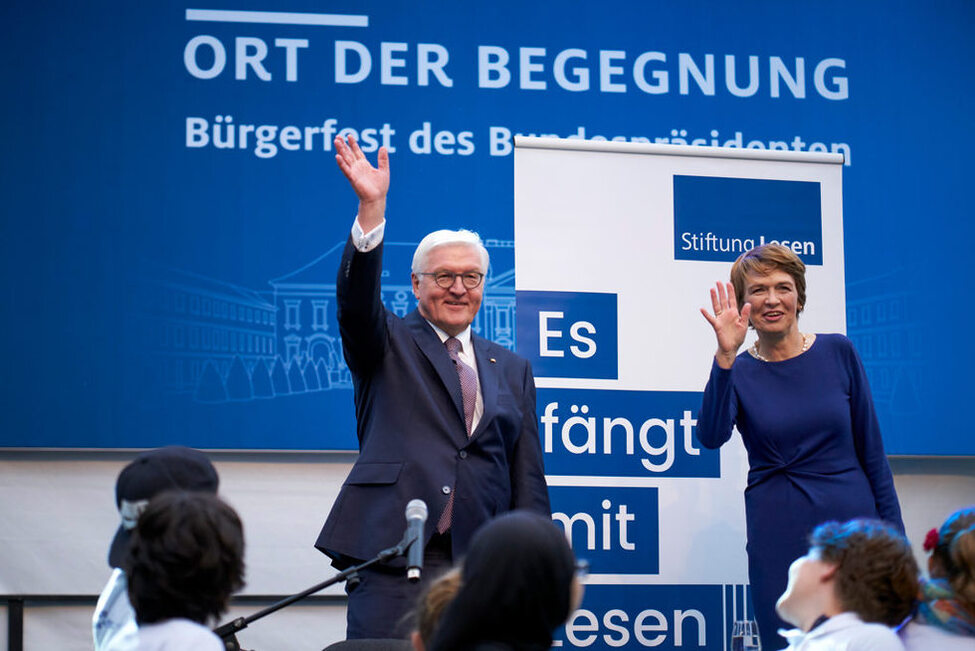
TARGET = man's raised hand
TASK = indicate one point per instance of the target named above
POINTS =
(371, 184)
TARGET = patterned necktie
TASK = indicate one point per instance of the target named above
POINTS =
(468, 381)
(468, 388)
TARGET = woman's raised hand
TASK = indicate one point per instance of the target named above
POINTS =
(730, 326)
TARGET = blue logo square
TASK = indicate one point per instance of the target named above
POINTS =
(616, 530)
(568, 334)
(612, 433)
(664, 617)
(717, 219)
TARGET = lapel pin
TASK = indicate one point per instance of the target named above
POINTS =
(494, 361)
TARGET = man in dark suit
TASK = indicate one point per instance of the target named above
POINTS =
(442, 414)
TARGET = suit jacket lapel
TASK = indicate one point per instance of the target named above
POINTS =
(488, 376)
(429, 343)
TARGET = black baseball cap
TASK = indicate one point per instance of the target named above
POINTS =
(170, 468)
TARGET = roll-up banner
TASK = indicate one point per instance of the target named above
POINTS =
(618, 245)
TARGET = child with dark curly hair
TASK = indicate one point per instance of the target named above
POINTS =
(857, 581)
(185, 559)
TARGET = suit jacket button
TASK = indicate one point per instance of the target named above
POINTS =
(463, 454)
(446, 490)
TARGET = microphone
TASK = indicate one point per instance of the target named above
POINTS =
(416, 517)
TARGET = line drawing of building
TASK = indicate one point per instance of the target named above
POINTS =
(189, 323)
(221, 342)
(890, 346)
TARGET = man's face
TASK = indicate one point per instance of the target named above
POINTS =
(451, 309)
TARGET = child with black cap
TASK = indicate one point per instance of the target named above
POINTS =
(171, 468)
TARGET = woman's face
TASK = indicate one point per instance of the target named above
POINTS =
(774, 301)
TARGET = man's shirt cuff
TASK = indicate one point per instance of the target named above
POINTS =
(365, 242)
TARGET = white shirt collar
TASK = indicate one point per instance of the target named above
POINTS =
(463, 337)
(796, 636)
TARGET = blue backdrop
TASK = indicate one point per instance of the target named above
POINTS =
(172, 208)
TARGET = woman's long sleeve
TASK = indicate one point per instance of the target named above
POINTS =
(719, 408)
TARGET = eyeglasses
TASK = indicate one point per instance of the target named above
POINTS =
(445, 279)
(582, 569)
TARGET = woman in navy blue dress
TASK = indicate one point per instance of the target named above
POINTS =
(803, 408)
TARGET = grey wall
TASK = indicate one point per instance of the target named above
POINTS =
(57, 516)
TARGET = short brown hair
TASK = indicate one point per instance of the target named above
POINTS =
(764, 260)
(876, 575)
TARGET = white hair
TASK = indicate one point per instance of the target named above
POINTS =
(445, 237)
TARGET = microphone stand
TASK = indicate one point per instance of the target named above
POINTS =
(228, 632)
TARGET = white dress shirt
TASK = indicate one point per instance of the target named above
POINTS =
(113, 624)
(844, 632)
(178, 635)
(924, 637)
